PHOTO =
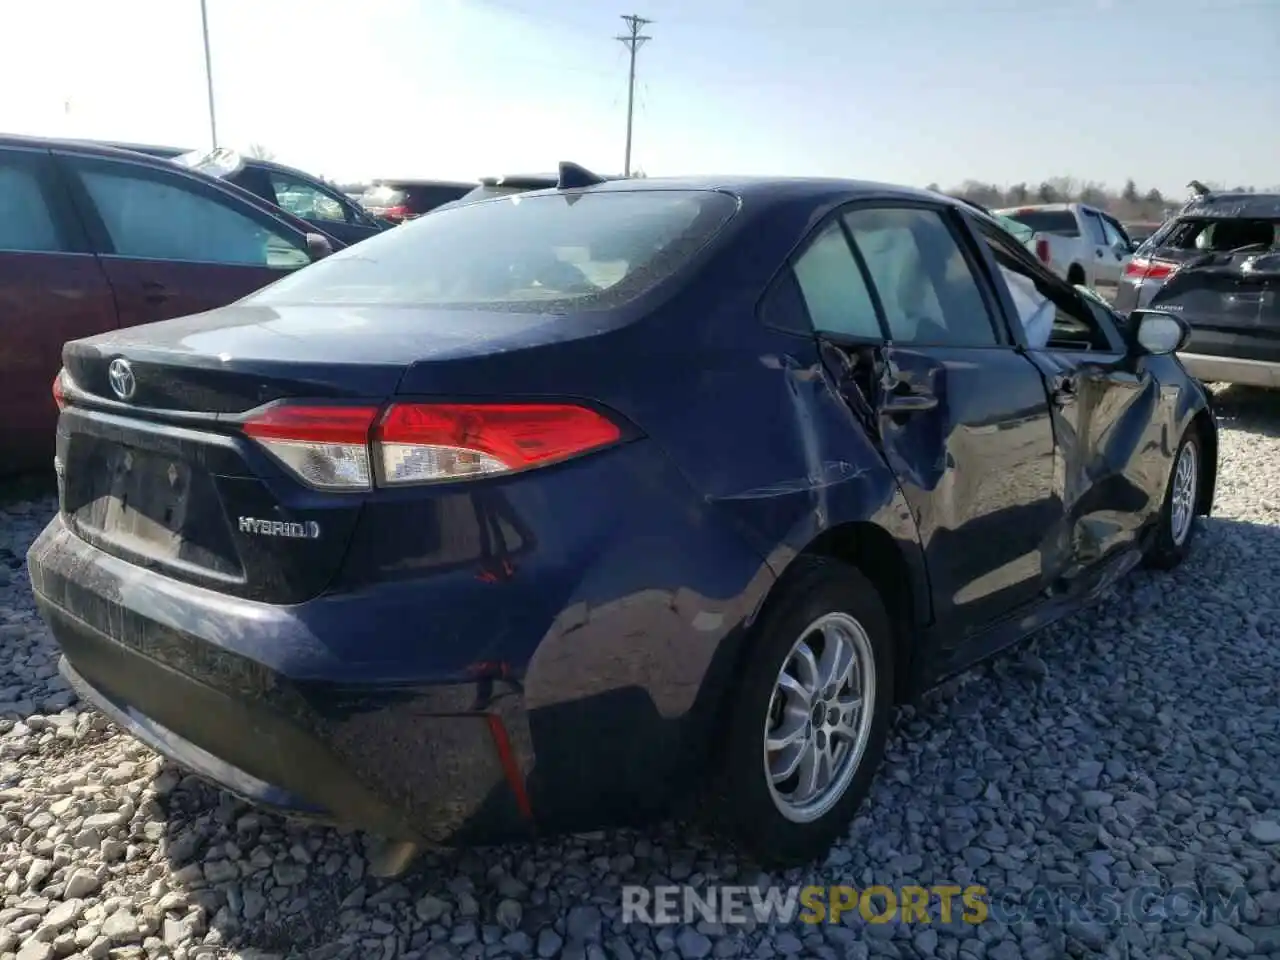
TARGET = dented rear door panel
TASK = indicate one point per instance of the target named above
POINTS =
(967, 433)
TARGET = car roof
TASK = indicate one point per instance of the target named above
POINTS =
(771, 188)
(1264, 205)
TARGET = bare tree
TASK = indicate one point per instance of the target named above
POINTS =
(261, 152)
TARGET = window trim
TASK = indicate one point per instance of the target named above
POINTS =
(71, 164)
(67, 225)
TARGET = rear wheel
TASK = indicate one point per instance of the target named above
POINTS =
(1178, 522)
(810, 717)
(1075, 275)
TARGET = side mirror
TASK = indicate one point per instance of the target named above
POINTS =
(1158, 334)
(318, 246)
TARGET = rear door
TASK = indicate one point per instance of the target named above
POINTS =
(51, 290)
(961, 415)
(1119, 251)
(1104, 268)
(172, 244)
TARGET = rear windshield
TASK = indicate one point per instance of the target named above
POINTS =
(1219, 234)
(532, 253)
(1061, 222)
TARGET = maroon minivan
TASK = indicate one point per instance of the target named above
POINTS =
(93, 238)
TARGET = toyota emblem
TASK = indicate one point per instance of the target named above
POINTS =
(120, 374)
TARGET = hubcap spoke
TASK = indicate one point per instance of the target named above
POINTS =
(837, 659)
(807, 668)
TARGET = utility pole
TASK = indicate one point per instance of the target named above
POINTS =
(633, 41)
(208, 73)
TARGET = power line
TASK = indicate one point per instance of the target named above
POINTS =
(208, 73)
(633, 41)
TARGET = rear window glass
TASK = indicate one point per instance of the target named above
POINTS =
(1219, 234)
(531, 253)
(1061, 222)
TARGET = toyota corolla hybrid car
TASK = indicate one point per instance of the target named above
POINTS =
(555, 514)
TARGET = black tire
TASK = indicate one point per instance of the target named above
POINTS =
(1075, 275)
(743, 803)
(1165, 551)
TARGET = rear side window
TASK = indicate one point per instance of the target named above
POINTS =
(588, 250)
(26, 222)
(1061, 222)
(833, 289)
(924, 282)
(153, 219)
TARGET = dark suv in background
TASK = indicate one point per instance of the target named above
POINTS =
(1216, 264)
(301, 194)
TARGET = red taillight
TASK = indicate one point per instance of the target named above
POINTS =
(335, 447)
(397, 213)
(418, 443)
(1141, 268)
(326, 446)
(59, 395)
(1042, 250)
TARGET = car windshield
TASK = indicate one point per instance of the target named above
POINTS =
(539, 252)
(1061, 222)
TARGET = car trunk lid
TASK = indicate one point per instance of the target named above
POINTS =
(168, 476)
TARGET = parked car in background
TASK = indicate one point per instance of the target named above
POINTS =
(401, 200)
(92, 239)
(486, 537)
(319, 203)
(1080, 243)
(1217, 266)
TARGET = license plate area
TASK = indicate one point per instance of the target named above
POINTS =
(144, 498)
(150, 506)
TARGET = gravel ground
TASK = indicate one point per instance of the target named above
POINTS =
(1137, 743)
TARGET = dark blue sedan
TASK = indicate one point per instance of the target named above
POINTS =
(591, 504)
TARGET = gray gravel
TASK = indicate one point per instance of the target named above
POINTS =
(1138, 743)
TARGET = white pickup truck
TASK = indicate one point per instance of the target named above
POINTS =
(1080, 243)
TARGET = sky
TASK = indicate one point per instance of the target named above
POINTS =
(903, 91)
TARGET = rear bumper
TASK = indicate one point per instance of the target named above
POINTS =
(438, 764)
(1210, 369)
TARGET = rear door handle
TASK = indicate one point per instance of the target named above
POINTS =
(153, 291)
(901, 399)
(1063, 389)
